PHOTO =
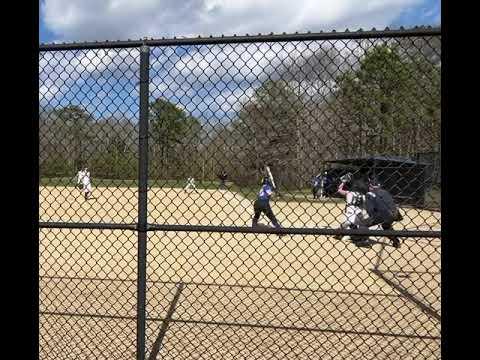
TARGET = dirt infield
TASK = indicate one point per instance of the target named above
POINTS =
(244, 295)
(202, 207)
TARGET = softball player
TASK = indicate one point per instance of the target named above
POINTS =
(83, 178)
(381, 210)
(190, 184)
(355, 201)
(262, 204)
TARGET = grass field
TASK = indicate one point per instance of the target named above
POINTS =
(247, 192)
(432, 197)
(127, 183)
(245, 296)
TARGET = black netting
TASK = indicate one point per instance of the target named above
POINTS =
(329, 140)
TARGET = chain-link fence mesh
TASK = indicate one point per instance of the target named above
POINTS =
(88, 282)
(332, 138)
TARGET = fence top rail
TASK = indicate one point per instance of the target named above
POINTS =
(210, 40)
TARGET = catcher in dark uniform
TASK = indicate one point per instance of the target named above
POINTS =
(381, 210)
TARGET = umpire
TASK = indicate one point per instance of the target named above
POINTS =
(381, 210)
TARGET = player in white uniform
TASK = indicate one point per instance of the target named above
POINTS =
(79, 177)
(353, 209)
(79, 180)
(83, 177)
(190, 184)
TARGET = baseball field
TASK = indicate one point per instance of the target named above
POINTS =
(232, 295)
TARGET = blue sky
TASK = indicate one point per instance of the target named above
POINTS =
(86, 81)
(426, 13)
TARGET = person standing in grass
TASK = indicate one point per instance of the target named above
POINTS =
(190, 184)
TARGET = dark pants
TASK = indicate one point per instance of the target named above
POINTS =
(264, 206)
(384, 221)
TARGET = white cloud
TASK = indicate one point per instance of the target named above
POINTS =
(83, 20)
(86, 76)
(46, 92)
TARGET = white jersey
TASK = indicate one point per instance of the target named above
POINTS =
(190, 184)
(353, 208)
(79, 177)
(84, 177)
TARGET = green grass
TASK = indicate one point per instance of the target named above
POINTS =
(250, 193)
(126, 183)
(120, 183)
(96, 182)
(432, 197)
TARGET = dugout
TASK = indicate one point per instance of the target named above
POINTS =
(407, 180)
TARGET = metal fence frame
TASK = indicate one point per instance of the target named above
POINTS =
(142, 226)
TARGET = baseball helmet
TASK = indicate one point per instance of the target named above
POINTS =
(372, 182)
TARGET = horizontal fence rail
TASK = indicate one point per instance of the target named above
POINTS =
(245, 230)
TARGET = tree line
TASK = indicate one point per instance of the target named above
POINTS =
(388, 103)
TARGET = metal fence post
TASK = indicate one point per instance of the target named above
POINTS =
(142, 201)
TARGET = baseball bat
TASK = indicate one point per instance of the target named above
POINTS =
(271, 177)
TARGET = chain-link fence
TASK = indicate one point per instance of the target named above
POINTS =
(162, 161)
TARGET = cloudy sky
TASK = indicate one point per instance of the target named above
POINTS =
(208, 81)
(84, 20)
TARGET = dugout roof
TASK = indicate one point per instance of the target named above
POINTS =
(406, 179)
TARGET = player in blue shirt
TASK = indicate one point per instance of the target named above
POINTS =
(262, 204)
